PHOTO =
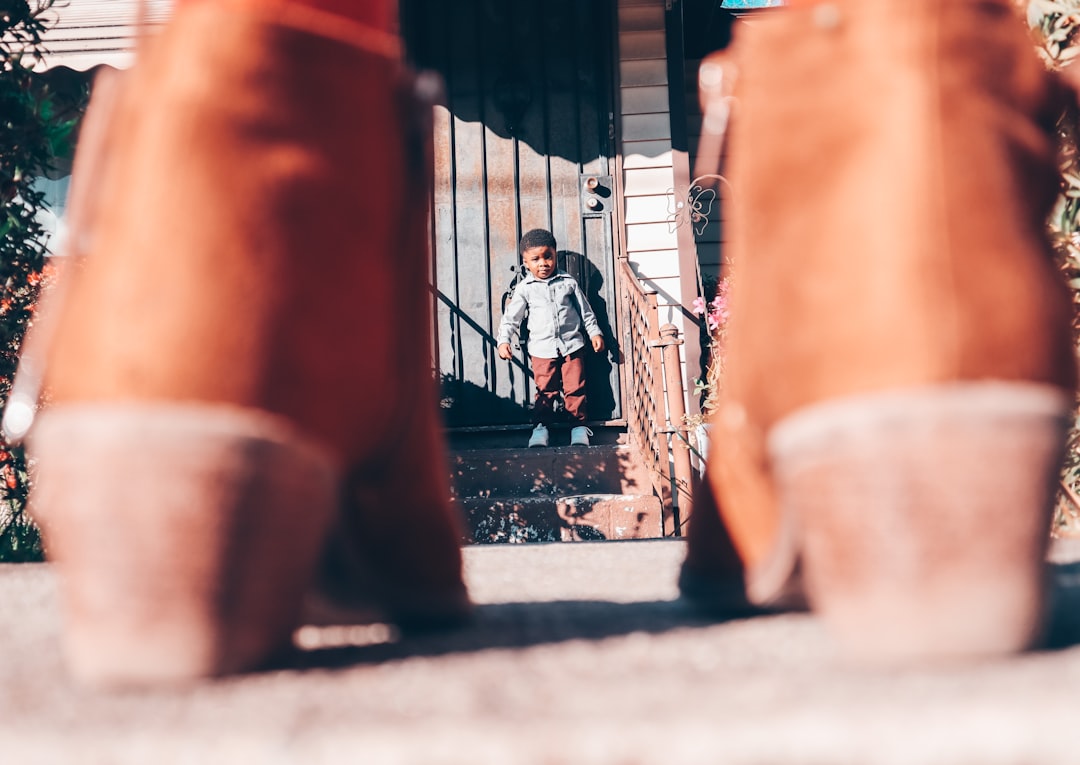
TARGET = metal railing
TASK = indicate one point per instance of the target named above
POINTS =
(654, 400)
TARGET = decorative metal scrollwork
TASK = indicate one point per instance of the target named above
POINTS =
(698, 205)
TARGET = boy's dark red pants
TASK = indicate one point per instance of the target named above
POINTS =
(565, 374)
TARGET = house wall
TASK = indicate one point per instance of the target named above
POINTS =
(706, 30)
(96, 32)
(648, 179)
(709, 230)
(651, 237)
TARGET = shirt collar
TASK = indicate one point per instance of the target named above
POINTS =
(529, 277)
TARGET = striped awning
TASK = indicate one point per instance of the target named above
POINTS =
(83, 34)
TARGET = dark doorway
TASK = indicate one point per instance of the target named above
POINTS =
(529, 118)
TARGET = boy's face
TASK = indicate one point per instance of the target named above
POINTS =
(540, 261)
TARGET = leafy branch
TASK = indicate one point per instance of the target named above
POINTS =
(35, 132)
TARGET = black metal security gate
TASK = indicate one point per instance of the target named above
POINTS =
(528, 121)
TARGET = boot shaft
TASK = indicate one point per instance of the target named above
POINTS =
(262, 224)
(245, 351)
(893, 166)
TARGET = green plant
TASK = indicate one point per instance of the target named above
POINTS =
(1055, 25)
(714, 312)
(34, 131)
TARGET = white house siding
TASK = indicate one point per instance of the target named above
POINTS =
(91, 33)
(647, 171)
(709, 231)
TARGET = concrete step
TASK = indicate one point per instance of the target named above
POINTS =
(562, 518)
(559, 493)
(517, 436)
(551, 471)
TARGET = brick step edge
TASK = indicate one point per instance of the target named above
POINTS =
(552, 471)
(564, 518)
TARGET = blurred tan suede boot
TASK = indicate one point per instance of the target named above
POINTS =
(899, 370)
(241, 362)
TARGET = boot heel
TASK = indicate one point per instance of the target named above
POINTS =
(925, 515)
(184, 535)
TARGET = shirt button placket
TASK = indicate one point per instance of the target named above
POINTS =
(556, 334)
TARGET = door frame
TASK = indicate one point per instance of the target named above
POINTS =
(410, 18)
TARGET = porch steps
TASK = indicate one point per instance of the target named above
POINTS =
(560, 493)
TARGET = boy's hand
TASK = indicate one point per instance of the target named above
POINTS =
(598, 343)
(504, 352)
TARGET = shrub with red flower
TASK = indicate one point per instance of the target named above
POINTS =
(36, 131)
(1055, 25)
(715, 314)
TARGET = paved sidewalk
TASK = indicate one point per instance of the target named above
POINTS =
(580, 654)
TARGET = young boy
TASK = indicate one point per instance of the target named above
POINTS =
(560, 318)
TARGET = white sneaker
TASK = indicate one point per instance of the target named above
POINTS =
(579, 436)
(539, 436)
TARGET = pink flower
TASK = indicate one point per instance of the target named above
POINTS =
(716, 311)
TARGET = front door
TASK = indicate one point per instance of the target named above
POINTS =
(528, 121)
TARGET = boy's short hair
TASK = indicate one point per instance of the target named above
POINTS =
(538, 237)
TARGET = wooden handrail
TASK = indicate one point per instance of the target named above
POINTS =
(682, 477)
(654, 400)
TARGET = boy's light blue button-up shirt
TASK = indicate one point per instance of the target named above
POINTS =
(557, 313)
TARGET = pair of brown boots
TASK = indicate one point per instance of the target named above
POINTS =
(899, 373)
(242, 404)
(239, 367)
